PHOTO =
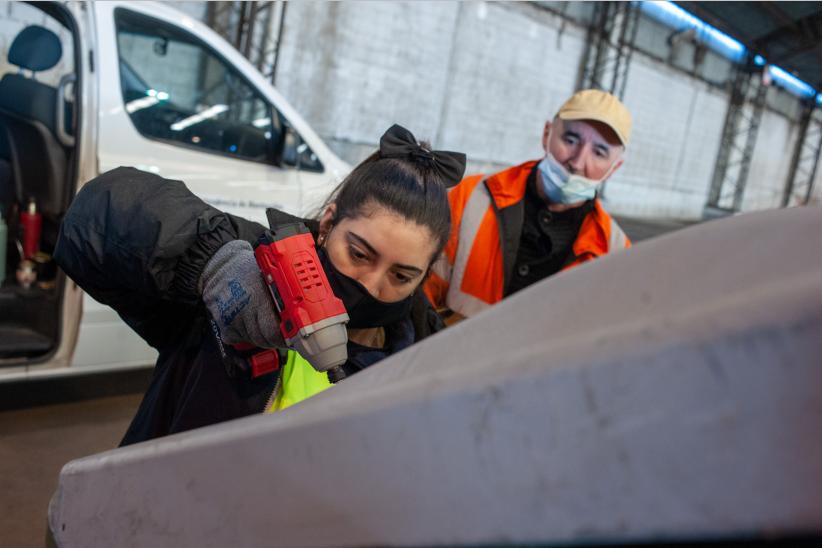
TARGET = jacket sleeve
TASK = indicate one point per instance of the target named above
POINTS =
(138, 243)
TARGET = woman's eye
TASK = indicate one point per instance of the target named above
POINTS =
(402, 278)
(356, 254)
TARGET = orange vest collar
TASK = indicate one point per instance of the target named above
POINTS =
(593, 235)
(507, 187)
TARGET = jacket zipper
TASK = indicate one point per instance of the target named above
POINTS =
(274, 393)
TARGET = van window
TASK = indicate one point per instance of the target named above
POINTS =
(177, 90)
(297, 153)
(14, 18)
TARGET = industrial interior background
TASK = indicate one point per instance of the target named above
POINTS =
(715, 130)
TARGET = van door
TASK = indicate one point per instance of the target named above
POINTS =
(42, 152)
(176, 106)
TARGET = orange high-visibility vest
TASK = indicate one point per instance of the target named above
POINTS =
(486, 226)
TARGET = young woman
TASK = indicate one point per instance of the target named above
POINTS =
(167, 263)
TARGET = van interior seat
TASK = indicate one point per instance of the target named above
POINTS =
(27, 114)
(36, 49)
(9, 192)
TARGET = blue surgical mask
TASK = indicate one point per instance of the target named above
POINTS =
(562, 187)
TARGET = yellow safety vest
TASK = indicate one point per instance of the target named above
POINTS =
(298, 381)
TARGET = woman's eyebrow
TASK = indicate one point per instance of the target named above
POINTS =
(363, 242)
(410, 268)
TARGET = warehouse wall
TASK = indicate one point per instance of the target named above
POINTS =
(816, 196)
(353, 69)
(483, 77)
(677, 128)
(443, 69)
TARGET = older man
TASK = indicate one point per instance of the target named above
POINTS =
(518, 226)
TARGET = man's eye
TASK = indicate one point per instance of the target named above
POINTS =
(570, 140)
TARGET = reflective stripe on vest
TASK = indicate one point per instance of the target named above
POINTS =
(441, 267)
(298, 381)
(472, 216)
(618, 239)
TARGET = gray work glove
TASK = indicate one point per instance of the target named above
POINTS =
(237, 298)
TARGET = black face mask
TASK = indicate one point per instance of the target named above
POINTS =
(363, 309)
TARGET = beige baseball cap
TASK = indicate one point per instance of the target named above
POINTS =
(595, 104)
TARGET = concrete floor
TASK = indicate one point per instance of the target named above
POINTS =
(35, 443)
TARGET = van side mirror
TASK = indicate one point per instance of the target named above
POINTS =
(297, 153)
(161, 46)
(277, 143)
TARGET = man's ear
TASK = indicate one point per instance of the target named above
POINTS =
(617, 165)
(546, 132)
(327, 220)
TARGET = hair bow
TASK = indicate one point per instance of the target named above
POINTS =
(400, 143)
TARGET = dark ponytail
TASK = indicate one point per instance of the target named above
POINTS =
(407, 178)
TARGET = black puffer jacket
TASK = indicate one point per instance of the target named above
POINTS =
(138, 243)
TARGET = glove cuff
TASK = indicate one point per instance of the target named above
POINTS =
(220, 258)
(212, 233)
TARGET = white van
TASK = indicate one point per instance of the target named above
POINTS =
(89, 86)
